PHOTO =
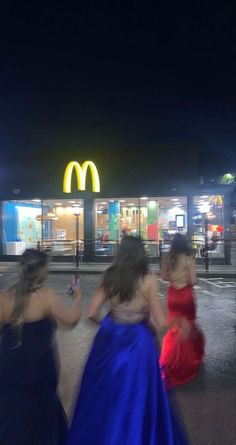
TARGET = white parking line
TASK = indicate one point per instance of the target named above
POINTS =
(212, 279)
(218, 283)
(230, 282)
(227, 314)
(230, 315)
(208, 292)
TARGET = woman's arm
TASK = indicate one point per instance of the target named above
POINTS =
(182, 323)
(192, 275)
(97, 302)
(67, 316)
(157, 314)
(164, 270)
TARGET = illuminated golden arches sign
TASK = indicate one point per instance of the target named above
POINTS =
(81, 172)
(217, 200)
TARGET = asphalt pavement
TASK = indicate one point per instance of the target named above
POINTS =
(208, 404)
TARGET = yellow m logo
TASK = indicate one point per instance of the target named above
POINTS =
(81, 172)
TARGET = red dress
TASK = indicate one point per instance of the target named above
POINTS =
(180, 358)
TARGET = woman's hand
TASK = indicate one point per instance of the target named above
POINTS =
(184, 328)
(96, 304)
(77, 294)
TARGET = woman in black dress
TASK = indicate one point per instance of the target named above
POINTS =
(30, 411)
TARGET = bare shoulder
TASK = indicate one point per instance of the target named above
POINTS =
(150, 282)
(190, 259)
(4, 293)
(4, 296)
(5, 304)
(47, 296)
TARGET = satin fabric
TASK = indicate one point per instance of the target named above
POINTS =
(122, 400)
(180, 359)
(30, 411)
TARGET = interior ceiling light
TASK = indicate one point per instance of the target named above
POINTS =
(76, 211)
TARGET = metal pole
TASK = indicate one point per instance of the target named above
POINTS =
(77, 242)
(139, 218)
(206, 245)
(160, 252)
(42, 224)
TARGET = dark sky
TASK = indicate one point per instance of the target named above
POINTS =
(112, 74)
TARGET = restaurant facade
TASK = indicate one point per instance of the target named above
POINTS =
(83, 207)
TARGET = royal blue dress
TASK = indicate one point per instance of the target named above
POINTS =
(30, 412)
(122, 399)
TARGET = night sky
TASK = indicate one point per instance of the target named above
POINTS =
(117, 74)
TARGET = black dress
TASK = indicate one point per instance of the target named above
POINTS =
(30, 411)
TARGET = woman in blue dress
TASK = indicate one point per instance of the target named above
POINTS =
(122, 400)
(30, 411)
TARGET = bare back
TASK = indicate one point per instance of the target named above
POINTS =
(41, 304)
(135, 309)
(182, 274)
(36, 308)
(144, 305)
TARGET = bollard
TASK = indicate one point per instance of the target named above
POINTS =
(160, 252)
(206, 246)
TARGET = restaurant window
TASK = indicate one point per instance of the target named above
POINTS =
(160, 219)
(48, 224)
(208, 223)
(115, 218)
(59, 226)
(154, 219)
(21, 227)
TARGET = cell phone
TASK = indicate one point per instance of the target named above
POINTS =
(75, 284)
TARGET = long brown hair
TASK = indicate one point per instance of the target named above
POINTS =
(179, 246)
(30, 279)
(129, 265)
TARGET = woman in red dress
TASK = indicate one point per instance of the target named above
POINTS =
(183, 345)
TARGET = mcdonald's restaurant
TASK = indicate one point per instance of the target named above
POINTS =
(90, 205)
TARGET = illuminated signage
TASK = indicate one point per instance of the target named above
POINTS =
(216, 200)
(81, 172)
(228, 178)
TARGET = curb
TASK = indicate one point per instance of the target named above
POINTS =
(215, 287)
(216, 275)
(99, 272)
